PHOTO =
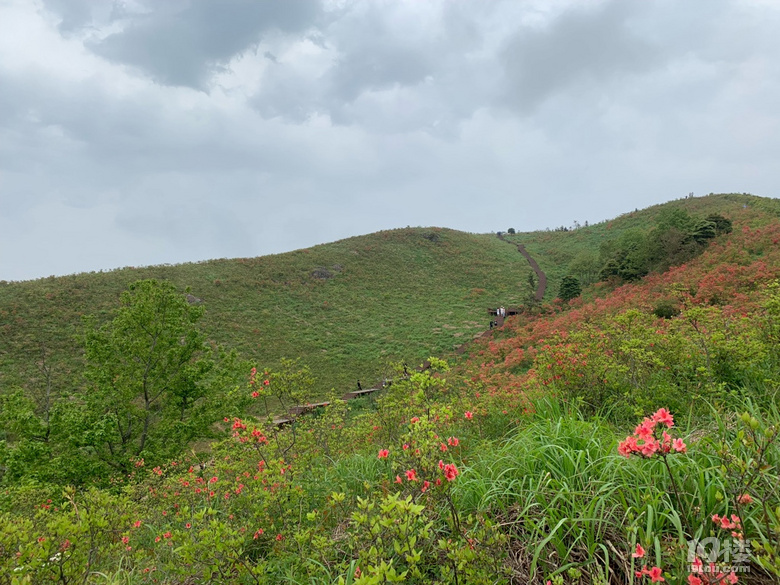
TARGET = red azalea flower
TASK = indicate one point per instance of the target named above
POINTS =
(450, 471)
(655, 575)
(664, 417)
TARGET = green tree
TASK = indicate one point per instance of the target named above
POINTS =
(570, 288)
(624, 258)
(723, 225)
(154, 386)
(531, 300)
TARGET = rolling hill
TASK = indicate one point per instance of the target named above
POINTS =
(347, 309)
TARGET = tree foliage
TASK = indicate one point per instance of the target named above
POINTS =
(570, 288)
(676, 238)
(153, 384)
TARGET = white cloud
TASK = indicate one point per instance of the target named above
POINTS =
(136, 133)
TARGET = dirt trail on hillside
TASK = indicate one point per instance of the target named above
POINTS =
(541, 288)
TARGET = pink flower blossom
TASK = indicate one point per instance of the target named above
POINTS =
(664, 417)
(450, 471)
(650, 447)
(645, 429)
(655, 575)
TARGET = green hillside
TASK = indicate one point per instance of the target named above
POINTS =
(346, 308)
(571, 252)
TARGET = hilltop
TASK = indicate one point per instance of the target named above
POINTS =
(347, 309)
(576, 250)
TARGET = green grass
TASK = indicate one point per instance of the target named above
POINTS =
(347, 309)
(560, 486)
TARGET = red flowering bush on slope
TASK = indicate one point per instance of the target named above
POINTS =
(572, 354)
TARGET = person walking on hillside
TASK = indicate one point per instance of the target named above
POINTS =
(359, 386)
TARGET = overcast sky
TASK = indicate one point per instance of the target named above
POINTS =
(136, 132)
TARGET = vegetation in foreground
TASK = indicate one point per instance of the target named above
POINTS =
(593, 442)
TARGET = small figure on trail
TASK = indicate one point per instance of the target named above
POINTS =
(406, 370)
(359, 386)
(491, 324)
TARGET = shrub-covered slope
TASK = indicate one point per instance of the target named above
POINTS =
(577, 251)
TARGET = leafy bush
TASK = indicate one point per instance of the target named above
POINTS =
(666, 310)
(570, 288)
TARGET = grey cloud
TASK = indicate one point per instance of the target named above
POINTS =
(377, 67)
(582, 47)
(386, 71)
(75, 14)
(183, 43)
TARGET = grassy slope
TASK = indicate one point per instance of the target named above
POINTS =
(394, 295)
(555, 250)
